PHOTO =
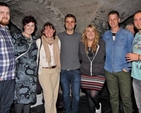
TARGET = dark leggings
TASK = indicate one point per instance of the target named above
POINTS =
(93, 100)
(22, 108)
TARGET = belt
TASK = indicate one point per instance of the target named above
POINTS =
(51, 67)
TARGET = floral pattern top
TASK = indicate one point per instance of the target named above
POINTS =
(26, 69)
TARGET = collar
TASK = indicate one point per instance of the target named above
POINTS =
(4, 28)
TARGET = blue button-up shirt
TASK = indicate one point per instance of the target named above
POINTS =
(117, 50)
(7, 62)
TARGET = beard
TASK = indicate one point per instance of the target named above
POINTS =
(4, 22)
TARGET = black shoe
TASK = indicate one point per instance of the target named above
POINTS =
(97, 106)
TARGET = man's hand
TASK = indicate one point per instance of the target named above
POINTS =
(125, 70)
(131, 57)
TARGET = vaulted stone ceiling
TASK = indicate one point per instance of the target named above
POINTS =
(86, 11)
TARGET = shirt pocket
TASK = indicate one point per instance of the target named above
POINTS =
(109, 44)
(120, 42)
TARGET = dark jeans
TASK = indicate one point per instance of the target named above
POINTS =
(70, 78)
(7, 88)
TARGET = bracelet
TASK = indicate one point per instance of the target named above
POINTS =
(139, 57)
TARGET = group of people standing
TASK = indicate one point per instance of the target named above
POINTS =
(64, 58)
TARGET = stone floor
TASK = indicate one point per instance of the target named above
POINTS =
(83, 107)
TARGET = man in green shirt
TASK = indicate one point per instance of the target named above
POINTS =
(135, 57)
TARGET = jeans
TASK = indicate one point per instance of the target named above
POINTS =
(137, 93)
(70, 78)
(7, 88)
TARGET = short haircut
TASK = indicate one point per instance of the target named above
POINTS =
(70, 15)
(113, 12)
(28, 19)
(137, 12)
(4, 4)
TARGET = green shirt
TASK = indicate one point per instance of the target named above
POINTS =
(136, 65)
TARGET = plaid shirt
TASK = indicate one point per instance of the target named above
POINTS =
(7, 61)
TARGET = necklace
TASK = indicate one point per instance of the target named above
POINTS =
(89, 48)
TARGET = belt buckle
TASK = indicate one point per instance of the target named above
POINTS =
(50, 67)
(68, 69)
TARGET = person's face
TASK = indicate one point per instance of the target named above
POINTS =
(90, 33)
(70, 23)
(131, 29)
(113, 20)
(29, 28)
(49, 31)
(137, 21)
(4, 15)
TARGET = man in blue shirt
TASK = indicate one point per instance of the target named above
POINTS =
(135, 57)
(118, 44)
(7, 62)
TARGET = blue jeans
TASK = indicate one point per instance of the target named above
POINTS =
(70, 78)
(7, 88)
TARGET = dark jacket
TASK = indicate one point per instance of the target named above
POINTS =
(96, 66)
(26, 69)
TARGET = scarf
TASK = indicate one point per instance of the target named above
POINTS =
(56, 50)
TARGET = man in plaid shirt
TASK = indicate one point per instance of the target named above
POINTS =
(7, 62)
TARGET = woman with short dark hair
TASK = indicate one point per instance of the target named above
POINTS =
(26, 66)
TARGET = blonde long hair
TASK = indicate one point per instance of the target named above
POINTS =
(96, 38)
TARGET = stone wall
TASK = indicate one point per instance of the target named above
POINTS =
(86, 11)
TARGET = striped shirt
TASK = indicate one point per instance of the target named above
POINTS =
(7, 61)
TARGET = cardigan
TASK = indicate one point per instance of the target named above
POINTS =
(96, 65)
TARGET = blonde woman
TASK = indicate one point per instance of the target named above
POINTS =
(92, 52)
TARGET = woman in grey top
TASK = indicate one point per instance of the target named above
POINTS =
(92, 52)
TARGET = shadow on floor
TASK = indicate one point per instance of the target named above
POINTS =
(83, 107)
